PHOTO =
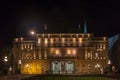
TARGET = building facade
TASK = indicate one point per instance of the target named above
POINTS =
(61, 54)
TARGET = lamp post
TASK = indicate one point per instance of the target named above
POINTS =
(5, 58)
(19, 65)
(109, 65)
(6, 67)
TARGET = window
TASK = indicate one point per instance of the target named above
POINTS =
(96, 54)
(89, 66)
(46, 40)
(51, 40)
(31, 46)
(74, 40)
(63, 40)
(80, 41)
(25, 45)
(89, 55)
(22, 46)
(39, 40)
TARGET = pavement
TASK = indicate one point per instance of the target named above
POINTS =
(115, 76)
(15, 77)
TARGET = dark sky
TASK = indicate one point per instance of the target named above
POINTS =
(18, 18)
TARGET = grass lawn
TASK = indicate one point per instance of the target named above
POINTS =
(78, 78)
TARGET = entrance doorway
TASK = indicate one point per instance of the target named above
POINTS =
(62, 67)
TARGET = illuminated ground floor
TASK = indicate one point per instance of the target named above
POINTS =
(65, 66)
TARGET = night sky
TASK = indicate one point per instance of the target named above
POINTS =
(18, 18)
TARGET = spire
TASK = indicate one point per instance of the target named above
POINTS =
(85, 27)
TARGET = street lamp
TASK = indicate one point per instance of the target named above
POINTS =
(19, 65)
(19, 62)
(109, 65)
(109, 62)
(32, 32)
(6, 67)
(5, 58)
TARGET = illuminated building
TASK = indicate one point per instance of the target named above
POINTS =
(61, 54)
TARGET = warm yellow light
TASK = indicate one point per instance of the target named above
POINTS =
(97, 65)
(63, 40)
(74, 40)
(46, 40)
(31, 68)
(80, 40)
(57, 52)
(27, 65)
(51, 40)
(74, 52)
(68, 52)
(22, 46)
(39, 40)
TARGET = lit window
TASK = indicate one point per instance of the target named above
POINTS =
(68, 52)
(96, 55)
(63, 40)
(46, 40)
(28, 46)
(51, 40)
(39, 40)
(80, 41)
(57, 52)
(101, 46)
(89, 55)
(104, 46)
(74, 40)
(22, 46)
(74, 52)
(25, 45)
(31, 46)
(16, 39)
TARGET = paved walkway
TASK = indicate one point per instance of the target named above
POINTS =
(116, 76)
(14, 77)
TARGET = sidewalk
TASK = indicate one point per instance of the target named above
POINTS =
(14, 77)
(116, 76)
